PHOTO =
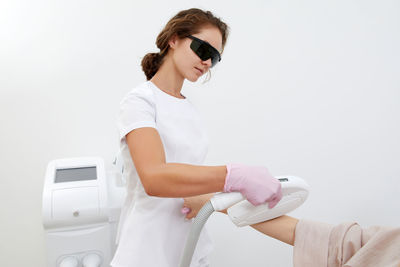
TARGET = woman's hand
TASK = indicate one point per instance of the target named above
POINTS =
(192, 205)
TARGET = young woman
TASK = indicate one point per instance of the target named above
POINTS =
(164, 144)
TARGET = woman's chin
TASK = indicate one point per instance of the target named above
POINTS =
(193, 78)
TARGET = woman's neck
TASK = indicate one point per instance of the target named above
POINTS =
(168, 79)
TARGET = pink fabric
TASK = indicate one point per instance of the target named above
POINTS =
(345, 245)
(254, 182)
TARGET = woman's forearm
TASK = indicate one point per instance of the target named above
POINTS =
(163, 179)
(281, 228)
(185, 180)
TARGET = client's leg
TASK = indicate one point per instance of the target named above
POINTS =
(281, 228)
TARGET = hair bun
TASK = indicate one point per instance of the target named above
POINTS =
(151, 63)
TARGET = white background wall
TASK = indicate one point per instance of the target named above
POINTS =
(310, 88)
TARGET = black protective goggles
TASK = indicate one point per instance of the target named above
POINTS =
(204, 50)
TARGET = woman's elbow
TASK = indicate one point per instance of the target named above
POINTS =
(150, 186)
(153, 180)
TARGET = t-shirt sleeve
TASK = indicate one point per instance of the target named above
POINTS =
(136, 110)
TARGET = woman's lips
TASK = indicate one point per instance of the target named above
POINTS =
(201, 72)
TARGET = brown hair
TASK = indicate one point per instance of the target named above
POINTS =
(183, 24)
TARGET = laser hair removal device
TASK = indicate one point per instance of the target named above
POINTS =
(241, 212)
(81, 208)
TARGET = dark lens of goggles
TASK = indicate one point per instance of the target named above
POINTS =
(205, 51)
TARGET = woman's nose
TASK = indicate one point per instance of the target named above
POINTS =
(207, 62)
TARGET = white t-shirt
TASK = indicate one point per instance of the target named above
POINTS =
(152, 230)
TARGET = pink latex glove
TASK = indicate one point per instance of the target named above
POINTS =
(254, 182)
(186, 210)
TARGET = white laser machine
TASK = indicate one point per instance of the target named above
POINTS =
(81, 208)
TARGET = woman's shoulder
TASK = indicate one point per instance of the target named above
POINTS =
(141, 91)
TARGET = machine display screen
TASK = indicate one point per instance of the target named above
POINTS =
(75, 174)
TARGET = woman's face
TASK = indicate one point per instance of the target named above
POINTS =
(188, 64)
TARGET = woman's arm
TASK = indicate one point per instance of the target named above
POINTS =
(163, 179)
